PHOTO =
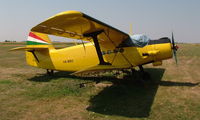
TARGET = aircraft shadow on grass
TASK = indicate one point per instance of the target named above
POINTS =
(129, 100)
(123, 98)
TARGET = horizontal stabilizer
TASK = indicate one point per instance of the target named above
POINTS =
(29, 48)
(99, 68)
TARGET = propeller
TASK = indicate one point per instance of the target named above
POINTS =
(174, 48)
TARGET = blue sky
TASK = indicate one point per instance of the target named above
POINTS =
(155, 18)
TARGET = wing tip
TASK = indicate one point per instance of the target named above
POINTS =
(69, 12)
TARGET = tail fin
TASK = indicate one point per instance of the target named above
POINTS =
(38, 46)
(36, 38)
(36, 41)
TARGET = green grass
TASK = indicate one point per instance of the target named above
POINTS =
(50, 91)
(58, 87)
(8, 82)
(28, 93)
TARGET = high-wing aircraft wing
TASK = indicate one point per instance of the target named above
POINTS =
(77, 25)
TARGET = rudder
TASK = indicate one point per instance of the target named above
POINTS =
(37, 49)
(35, 39)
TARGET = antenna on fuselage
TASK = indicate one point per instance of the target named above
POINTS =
(131, 29)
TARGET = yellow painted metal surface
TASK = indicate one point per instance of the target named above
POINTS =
(66, 59)
(158, 63)
(74, 24)
(75, 58)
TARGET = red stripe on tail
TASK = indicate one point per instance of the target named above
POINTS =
(36, 37)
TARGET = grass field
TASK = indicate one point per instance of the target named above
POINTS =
(27, 93)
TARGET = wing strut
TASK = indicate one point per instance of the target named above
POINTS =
(33, 52)
(96, 43)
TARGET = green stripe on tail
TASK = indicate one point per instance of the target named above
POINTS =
(35, 43)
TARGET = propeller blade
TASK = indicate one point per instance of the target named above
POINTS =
(174, 48)
(175, 57)
(173, 43)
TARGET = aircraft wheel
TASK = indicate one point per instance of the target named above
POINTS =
(50, 72)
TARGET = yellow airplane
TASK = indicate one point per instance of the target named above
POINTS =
(107, 48)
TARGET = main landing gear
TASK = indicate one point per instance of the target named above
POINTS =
(141, 75)
(145, 75)
(50, 72)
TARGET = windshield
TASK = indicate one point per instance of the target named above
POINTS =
(140, 40)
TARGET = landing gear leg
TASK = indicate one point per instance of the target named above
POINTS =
(133, 71)
(144, 75)
(141, 68)
(50, 72)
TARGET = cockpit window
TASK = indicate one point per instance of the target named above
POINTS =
(140, 40)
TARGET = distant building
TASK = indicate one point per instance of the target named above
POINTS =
(9, 41)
